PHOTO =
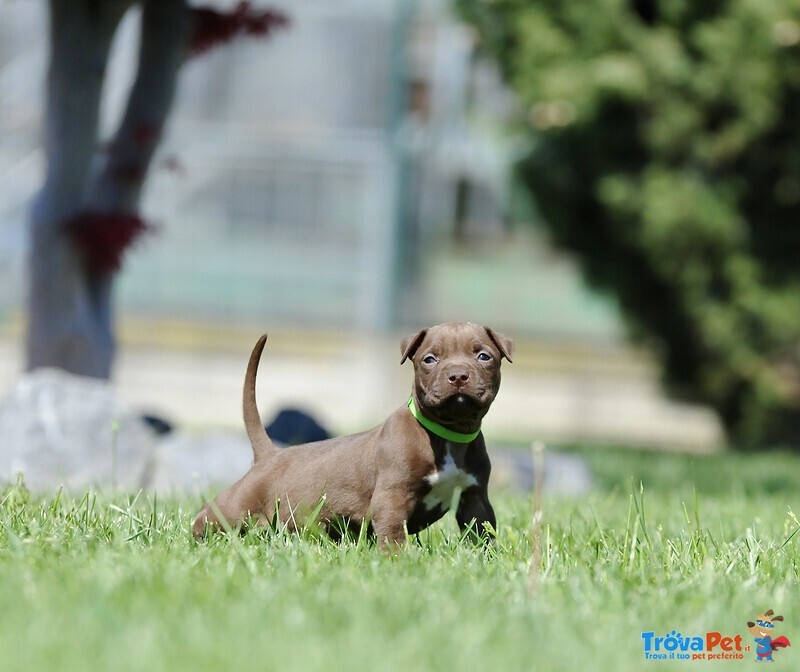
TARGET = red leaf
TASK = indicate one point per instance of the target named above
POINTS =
(146, 134)
(103, 237)
(211, 27)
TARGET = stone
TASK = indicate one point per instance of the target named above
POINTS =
(60, 429)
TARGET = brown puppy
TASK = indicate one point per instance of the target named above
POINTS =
(398, 477)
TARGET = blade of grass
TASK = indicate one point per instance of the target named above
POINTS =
(537, 451)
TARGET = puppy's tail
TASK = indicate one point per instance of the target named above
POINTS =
(261, 443)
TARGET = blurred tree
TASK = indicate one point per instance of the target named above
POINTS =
(87, 211)
(665, 152)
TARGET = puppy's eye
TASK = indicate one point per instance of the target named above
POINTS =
(484, 357)
(430, 359)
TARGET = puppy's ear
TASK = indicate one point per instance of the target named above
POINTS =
(409, 345)
(504, 344)
(777, 618)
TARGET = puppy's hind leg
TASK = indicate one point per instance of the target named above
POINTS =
(231, 508)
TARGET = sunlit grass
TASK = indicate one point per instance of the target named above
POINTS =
(114, 582)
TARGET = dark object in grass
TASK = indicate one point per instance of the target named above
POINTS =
(157, 424)
(292, 426)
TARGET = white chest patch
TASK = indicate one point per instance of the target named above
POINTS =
(444, 482)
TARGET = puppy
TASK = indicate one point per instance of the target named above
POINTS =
(399, 477)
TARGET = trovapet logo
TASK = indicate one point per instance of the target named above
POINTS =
(708, 646)
(714, 645)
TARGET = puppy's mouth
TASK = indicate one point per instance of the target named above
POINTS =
(459, 405)
(457, 398)
(462, 400)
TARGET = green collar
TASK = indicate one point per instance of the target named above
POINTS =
(439, 430)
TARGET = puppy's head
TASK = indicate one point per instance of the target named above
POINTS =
(457, 370)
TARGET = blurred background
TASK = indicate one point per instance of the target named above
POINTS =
(574, 176)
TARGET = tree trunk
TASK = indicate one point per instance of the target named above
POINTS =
(70, 317)
(63, 331)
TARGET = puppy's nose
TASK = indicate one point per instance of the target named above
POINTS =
(458, 378)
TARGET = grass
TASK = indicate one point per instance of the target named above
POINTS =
(694, 544)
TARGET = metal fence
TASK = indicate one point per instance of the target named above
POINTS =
(259, 228)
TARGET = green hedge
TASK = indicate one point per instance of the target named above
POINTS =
(666, 154)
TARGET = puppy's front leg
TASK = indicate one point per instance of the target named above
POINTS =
(390, 510)
(474, 511)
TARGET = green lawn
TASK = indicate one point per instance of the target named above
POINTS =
(95, 582)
